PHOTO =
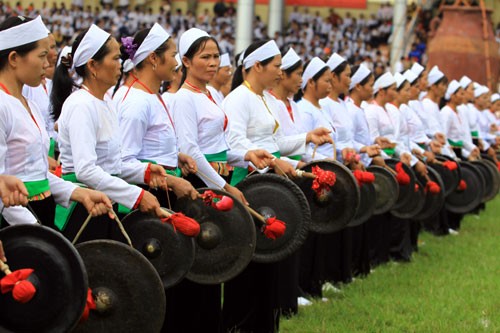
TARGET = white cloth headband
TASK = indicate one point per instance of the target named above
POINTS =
(334, 61)
(481, 90)
(23, 33)
(434, 76)
(417, 69)
(268, 50)
(410, 76)
(64, 53)
(289, 59)
(314, 67)
(361, 74)
(400, 80)
(224, 60)
(452, 88)
(155, 38)
(495, 97)
(384, 81)
(93, 40)
(188, 38)
(465, 81)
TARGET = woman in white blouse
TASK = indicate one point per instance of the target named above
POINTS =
(252, 125)
(146, 124)
(316, 85)
(24, 141)
(89, 137)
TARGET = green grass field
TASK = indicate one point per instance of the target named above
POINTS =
(451, 285)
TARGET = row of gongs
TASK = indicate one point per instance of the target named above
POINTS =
(122, 278)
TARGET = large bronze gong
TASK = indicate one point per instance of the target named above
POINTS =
(386, 189)
(170, 252)
(59, 277)
(333, 211)
(462, 202)
(127, 290)
(275, 196)
(226, 242)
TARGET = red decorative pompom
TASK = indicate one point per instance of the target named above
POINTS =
(90, 305)
(217, 201)
(498, 166)
(462, 186)
(450, 165)
(417, 187)
(363, 177)
(401, 176)
(184, 224)
(432, 187)
(274, 228)
(324, 179)
(22, 289)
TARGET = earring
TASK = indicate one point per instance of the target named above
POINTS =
(95, 75)
(154, 67)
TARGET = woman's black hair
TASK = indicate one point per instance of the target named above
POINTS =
(22, 50)
(298, 96)
(402, 85)
(340, 68)
(293, 68)
(444, 80)
(62, 83)
(238, 73)
(198, 45)
(139, 38)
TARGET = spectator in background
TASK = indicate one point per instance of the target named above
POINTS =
(220, 8)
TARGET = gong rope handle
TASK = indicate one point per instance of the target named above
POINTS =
(252, 211)
(334, 150)
(120, 226)
(5, 268)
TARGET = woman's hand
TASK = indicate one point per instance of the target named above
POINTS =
(150, 205)
(157, 177)
(436, 146)
(319, 136)
(405, 158)
(236, 193)
(440, 137)
(283, 168)
(96, 203)
(259, 157)
(372, 150)
(182, 188)
(13, 191)
(187, 164)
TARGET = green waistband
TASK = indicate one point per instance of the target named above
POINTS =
(295, 157)
(71, 177)
(456, 144)
(37, 187)
(422, 145)
(474, 134)
(217, 157)
(389, 151)
(240, 173)
(52, 148)
(176, 172)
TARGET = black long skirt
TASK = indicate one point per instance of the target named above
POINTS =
(191, 307)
